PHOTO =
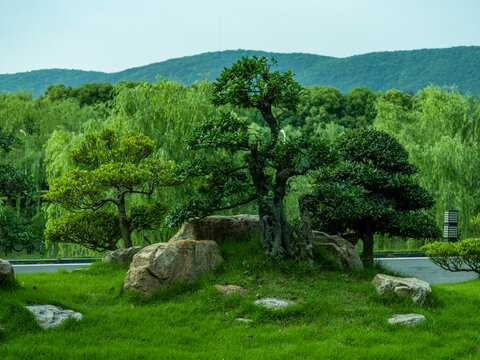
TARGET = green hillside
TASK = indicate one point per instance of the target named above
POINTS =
(403, 70)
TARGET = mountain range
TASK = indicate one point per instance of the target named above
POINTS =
(456, 67)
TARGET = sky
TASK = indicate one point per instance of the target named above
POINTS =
(113, 35)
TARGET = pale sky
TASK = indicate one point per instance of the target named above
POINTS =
(113, 35)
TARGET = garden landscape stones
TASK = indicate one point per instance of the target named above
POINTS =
(159, 265)
(406, 319)
(274, 303)
(219, 228)
(6, 271)
(343, 254)
(121, 257)
(227, 290)
(50, 316)
(418, 290)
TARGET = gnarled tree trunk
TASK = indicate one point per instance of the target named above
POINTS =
(123, 222)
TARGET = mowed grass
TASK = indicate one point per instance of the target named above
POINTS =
(338, 316)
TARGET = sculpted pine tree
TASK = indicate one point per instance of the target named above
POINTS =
(110, 168)
(371, 191)
(264, 160)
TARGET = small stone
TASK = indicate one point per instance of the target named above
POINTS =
(227, 290)
(50, 316)
(244, 320)
(406, 319)
(273, 303)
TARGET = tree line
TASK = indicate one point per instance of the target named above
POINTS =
(253, 145)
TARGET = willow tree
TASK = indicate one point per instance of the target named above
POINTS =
(267, 161)
(440, 130)
(111, 167)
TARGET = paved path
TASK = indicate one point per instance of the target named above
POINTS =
(422, 268)
(36, 268)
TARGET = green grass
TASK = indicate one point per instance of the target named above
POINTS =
(338, 316)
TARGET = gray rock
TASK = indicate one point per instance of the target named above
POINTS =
(406, 319)
(227, 290)
(416, 289)
(50, 316)
(6, 271)
(121, 257)
(274, 303)
(244, 320)
(219, 228)
(160, 265)
(343, 254)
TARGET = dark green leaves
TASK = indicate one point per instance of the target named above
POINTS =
(250, 83)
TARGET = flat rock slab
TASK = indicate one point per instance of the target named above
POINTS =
(274, 303)
(244, 320)
(227, 290)
(50, 316)
(406, 319)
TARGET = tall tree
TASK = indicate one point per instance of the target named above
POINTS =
(266, 159)
(14, 236)
(441, 132)
(113, 167)
(371, 191)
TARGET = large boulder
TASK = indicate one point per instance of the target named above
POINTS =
(50, 316)
(219, 228)
(121, 257)
(416, 289)
(160, 265)
(341, 252)
(6, 271)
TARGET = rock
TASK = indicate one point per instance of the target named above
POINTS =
(418, 290)
(274, 303)
(219, 228)
(50, 316)
(227, 290)
(244, 320)
(406, 319)
(121, 257)
(160, 265)
(6, 271)
(343, 254)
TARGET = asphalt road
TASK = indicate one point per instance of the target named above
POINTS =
(419, 267)
(422, 268)
(37, 268)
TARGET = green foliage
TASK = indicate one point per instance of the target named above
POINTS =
(86, 94)
(95, 230)
(371, 191)
(441, 132)
(16, 237)
(14, 183)
(113, 167)
(463, 255)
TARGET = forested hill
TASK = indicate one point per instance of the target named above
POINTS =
(402, 70)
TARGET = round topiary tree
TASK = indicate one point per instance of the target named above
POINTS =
(371, 191)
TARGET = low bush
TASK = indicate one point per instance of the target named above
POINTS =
(460, 256)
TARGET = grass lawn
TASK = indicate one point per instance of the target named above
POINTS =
(338, 316)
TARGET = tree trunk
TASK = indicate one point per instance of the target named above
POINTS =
(123, 222)
(276, 234)
(367, 239)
